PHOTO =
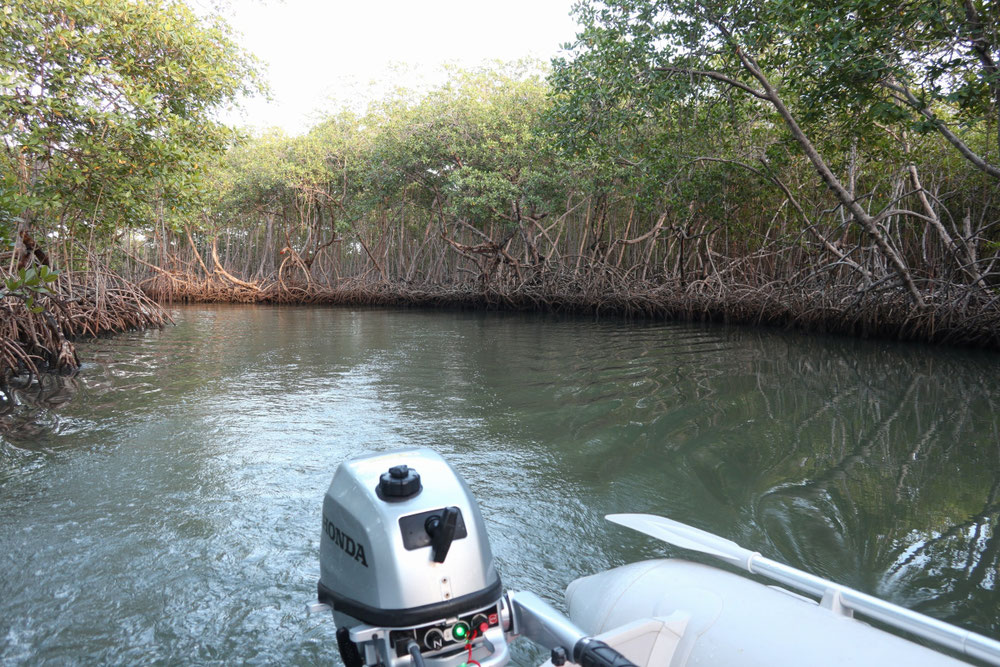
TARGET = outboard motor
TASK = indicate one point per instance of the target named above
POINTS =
(406, 567)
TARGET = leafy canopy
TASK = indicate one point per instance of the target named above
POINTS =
(107, 107)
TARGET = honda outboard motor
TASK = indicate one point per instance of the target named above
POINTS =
(406, 567)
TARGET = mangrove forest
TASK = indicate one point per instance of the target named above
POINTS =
(830, 167)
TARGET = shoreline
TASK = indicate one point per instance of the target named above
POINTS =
(33, 344)
(839, 311)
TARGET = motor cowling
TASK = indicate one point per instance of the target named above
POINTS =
(405, 561)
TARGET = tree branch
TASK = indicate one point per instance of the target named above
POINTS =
(907, 96)
(823, 169)
(717, 76)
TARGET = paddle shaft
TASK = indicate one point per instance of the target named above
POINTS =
(945, 634)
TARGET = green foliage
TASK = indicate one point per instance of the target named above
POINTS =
(650, 87)
(28, 284)
(474, 149)
(835, 63)
(107, 107)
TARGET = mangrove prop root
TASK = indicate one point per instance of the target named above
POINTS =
(83, 303)
(884, 311)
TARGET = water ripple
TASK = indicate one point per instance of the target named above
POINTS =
(163, 505)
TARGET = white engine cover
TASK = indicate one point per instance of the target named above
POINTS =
(366, 570)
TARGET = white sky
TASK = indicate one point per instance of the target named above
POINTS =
(321, 55)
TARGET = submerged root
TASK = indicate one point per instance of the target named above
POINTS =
(82, 303)
(950, 315)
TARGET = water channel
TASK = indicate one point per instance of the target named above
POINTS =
(163, 506)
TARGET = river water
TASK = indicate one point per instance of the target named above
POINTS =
(164, 505)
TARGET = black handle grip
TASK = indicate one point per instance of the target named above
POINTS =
(442, 532)
(590, 652)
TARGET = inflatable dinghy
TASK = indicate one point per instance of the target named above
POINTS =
(407, 573)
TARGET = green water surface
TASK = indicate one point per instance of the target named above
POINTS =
(164, 505)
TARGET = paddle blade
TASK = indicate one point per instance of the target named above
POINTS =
(685, 536)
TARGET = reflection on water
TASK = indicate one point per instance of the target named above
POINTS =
(164, 504)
